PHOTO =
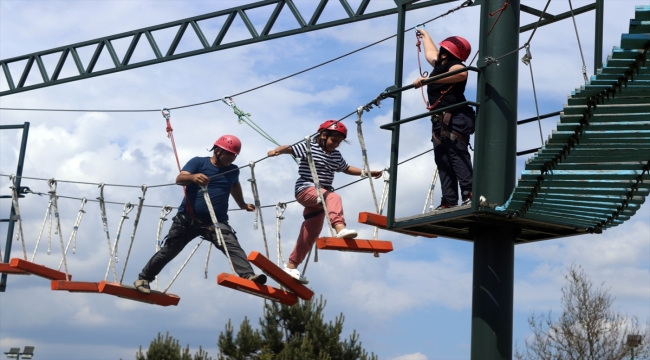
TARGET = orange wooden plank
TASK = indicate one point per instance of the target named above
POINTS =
(5, 268)
(381, 221)
(280, 275)
(253, 288)
(129, 292)
(39, 270)
(355, 245)
(75, 286)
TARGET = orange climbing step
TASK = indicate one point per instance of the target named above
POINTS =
(129, 292)
(38, 270)
(355, 245)
(279, 275)
(75, 286)
(381, 221)
(253, 288)
(5, 268)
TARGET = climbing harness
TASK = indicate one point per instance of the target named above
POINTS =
(279, 211)
(73, 235)
(163, 217)
(575, 26)
(135, 227)
(114, 258)
(526, 60)
(258, 207)
(14, 199)
(429, 200)
(102, 211)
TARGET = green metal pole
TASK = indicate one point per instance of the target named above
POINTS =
(397, 114)
(10, 226)
(598, 46)
(494, 178)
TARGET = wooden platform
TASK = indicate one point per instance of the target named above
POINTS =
(6, 268)
(129, 292)
(279, 275)
(253, 288)
(381, 222)
(75, 286)
(38, 270)
(354, 245)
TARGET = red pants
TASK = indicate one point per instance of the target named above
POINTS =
(314, 217)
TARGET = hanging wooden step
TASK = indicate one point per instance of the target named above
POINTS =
(279, 275)
(130, 292)
(38, 270)
(75, 286)
(5, 268)
(253, 288)
(354, 245)
(381, 222)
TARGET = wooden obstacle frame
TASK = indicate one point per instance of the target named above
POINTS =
(354, 245)
(381, 222)
(20, 265)
(279, 275)
(253, 288)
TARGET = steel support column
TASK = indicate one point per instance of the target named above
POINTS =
(12, 221)
(494, 178)
(397, 113)
(598, 46)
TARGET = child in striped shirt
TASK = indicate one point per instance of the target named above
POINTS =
(327, 160)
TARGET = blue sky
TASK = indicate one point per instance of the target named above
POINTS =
(411, 304)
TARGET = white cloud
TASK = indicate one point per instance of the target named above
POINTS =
(415, 356)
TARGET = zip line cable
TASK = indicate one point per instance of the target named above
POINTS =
(463, 5)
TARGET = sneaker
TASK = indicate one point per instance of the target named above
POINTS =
(346, 234)
(467, 198)
(257, 278)
(444, 206)
(295, 273)
(142, 286)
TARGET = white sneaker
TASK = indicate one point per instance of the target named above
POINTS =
(295, 273)
(347, 234)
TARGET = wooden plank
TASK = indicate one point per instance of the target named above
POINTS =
(354, 245)
(131, 293)
(5, 268)
(75, 286)
(38, 270)
(253, 288)
(380, 221)
(279, 275)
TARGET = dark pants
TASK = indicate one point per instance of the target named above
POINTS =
(453, 159)
(181, 233)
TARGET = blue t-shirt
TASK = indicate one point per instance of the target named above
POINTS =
(218, 189)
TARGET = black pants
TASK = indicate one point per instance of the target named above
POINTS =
(453, 160)
(181, 233)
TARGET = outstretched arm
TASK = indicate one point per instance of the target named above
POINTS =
(352, 170)
(185, 178)
(430, 49)
(284, 149)
(237, 194)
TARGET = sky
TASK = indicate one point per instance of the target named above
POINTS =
(411, 304)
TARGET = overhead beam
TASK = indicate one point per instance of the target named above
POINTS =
(105, 43)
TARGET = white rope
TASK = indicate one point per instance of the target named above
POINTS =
(163, 217)
(428, 203)
(526, 60)
(113, 253)
(384, 196)
(258, 208)
(207, 261)
(48, 213)
(55, 208)
(73, 235)
(575, 26)
(102, 212)
(183, 266)
(366, 165)
(135, 227)
(19, 222)
(217, 228)
(279, 211)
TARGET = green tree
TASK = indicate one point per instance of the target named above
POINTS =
(291, 332)
(588, 328)
(168, 348)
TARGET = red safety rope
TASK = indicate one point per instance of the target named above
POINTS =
(170, 134)
(500, 11)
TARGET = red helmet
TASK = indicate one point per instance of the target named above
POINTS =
(333, 125)
(457, 46)
(229, 143)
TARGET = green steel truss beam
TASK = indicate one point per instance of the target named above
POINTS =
(103, 44)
